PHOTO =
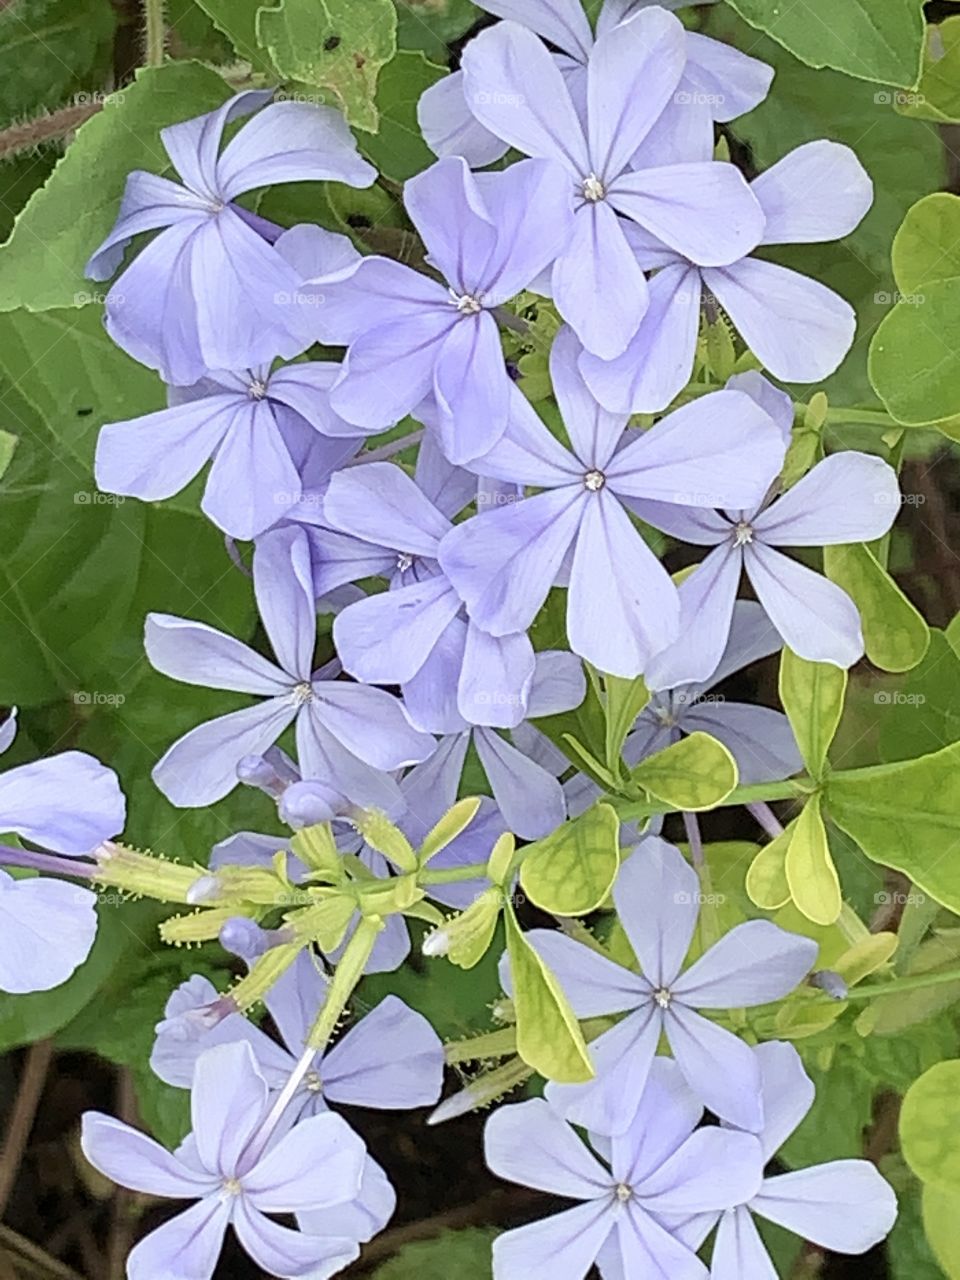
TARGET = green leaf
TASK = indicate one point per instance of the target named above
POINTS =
(8, 443)
(812, 694)
(695, 773)
(905, 816)
(453, 1253)
(879, 40)
(446, 829)
(237, 19)
(920, 712)
(397, 148)
(549, 1038)
(903, 157)
(941, 1223)
(334, 44)
(926, 248)
(767, 884)
(895, 633)
(938, 93)
(914, 358)
(78, 205)
(51, 51)
(928, 1124)
(570, 872)
(811, 874)
(431, 25)
(625, 699)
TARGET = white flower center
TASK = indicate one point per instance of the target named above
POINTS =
(405, 561)
(232, 1187)
(313, 1082)
(666, 717)
(257, 389)
(623, 1192)
(594, 481)
(663, 997)
(593, 189)
(302, 693)
(742, 533)
(466, 303)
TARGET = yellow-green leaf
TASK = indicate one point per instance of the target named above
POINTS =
(929, 1121)
(895, 634)
(453, 823)
(695, 773)
(906, 816)
(571, 871)
(625, 699)
(767, 878)
(469, 934)
(866, 957)
(812, 694)
(381, 834)
(549, 1038)
(941, 1223)
(501, 856)
(811, 875)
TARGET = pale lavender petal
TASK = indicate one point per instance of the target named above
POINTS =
(47, 928)
(564, 1244)
(390, 369)
(788, 1093)
(197, 654)
(134, 1160)
(707, 603)
(187, 1246)
(472, 388)
(594, 984)
(292, 142)
(156, 456)
(450, 128)
(819, 191)
(227, 1104)
(149, 203)
(316, 1164)
(283, 583)
(846, 1206)
(448, 487)
(703, 527)
(530, 799)
(558, 685)
(386, 638)
(778, 404)
(735, 81)
(431, 788)
(201, 767)
(363, 1217)
(754, 963)
(649, 1252)
(315, 252)
(631, 75)
(245, 296)
(722, 450)
(514, 87)
(562, 22)
(621, 1059)
(719, 1068)
(370, 723)
(797, 327)
(667, 1115)
(760, 739)
(339, 558)
(657, 897)
(504, 562)
(683, 133)
(649, 736)
(527, 1143)
(657, 364)
(848, 497)
(89, 808)
(495, 678)
(8, 731)
(704, 211)
(528, 453)
(194, 145)
(594, 432)
(738, 1250)
(622, 606)
(447, 209)
(599, 264)
(305, 388)
(531, 205)
(391, 1059)
(687, 1182)
(253, 482)
(752, 637)
(375, 292)
(380, 503)
(281, 1251)
(431, 696)
(815, 617)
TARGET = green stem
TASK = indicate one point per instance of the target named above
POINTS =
(346, 976)
(899, 985)
(453, 875)
(155, 31)
(793, 789)
(862, 417)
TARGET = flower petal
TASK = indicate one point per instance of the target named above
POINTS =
(47, 928)
(281, 1251)
(657, 896)
(197, 654)
(570, 1240)
(819, 191)
(187, 1246)
(530, 799)
(446, 207)
(392, 1059)
(594, 432)
(760, 739)
(707, 603)
(531, 205)
(227, 1103)
(283, 584)
(89, 808)
(594, 984)
(720, 1069)
(738, 1250)
(848, 497)
(495, 678)
(687, 1182)
(622, 1058)
(788, 1093)
(316, 1164)
(816, 618)
(386, 638)
(390, 369)
(846, 1205)
(370, 723)
(450, 128)
(134, 1160)
(527, 1143)
(752, 964)
(472, 389)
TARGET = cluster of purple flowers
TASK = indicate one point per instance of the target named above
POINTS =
(619, 213)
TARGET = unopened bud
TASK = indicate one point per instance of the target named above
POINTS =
(145, 873)
(830, 982)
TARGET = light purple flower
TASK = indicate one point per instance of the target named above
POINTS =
(622, 606)
(845, 1206)
(316, 1165)
(48, 926)
(848, 497)
(702, 209)
(347, 734)
(759, 738)
(489, 236)
(797, 327)
(657, 896)
(661, 1168)
(210, 291)
(718, 83)
(526, 789)
(255, 425)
